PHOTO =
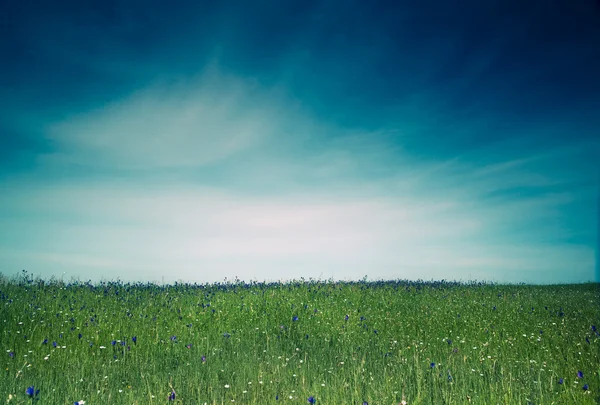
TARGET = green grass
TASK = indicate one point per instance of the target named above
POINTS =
(501, 344)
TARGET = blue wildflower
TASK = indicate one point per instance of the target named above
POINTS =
(561, 381)
(80, 336)
(11, 354)
(593, 328)
(172, 396)
(45, 342)
(432, 365)
(347, 317)
(134, 340)
(114, 342)
(580, 374)
(30, 391)
(203, 359)
(585, 387)
(365, 403)
(311, 400)
(276, 397)
(54, 344)
(173, 338)
(294, 319)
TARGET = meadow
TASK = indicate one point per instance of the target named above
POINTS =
(307, 341)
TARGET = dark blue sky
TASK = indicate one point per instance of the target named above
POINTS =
(488, 109)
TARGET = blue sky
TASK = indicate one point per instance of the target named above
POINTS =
(277, 140)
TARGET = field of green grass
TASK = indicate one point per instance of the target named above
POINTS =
(301, 342)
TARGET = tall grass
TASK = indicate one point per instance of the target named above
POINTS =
(269, 343)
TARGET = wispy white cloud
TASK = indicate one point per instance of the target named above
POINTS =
(176, 123)
(287, 195)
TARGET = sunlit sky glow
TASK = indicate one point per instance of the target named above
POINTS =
(198, 141)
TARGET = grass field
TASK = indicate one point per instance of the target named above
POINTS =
(300, 342)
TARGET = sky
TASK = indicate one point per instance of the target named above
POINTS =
(269, 140)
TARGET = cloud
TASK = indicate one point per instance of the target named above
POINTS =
(172, 123)
(220, 176)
